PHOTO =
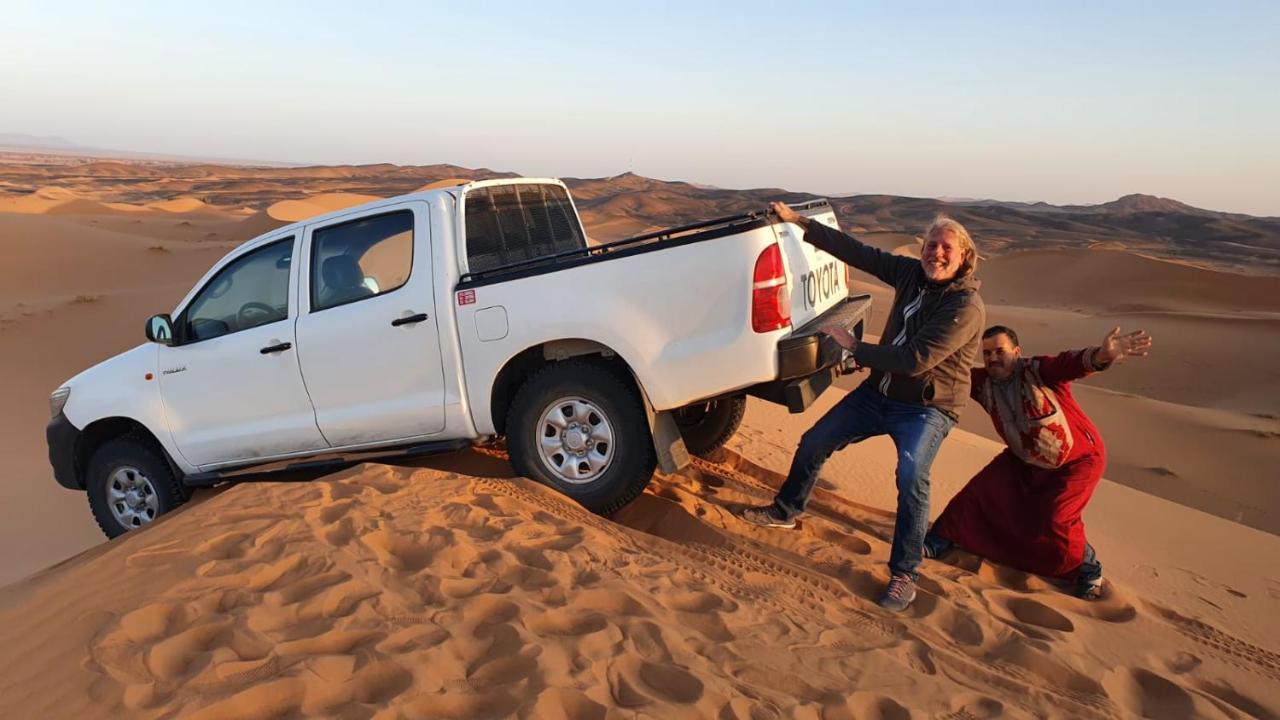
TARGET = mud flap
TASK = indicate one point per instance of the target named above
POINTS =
(668, 443)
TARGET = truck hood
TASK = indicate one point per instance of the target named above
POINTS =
(131, 365)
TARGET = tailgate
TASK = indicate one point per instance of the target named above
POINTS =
(817, 278)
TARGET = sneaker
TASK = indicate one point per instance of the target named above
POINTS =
(899, 594)
(767, 516)
(1089, 589)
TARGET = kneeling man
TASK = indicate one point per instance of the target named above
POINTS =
(1024, 508)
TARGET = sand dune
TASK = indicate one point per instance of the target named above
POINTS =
(429, 594)
(1121, 282)
(295, 210)
(37, 202)
(256, 224)
(180, 205)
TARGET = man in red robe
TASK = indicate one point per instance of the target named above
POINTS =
(1023, 509)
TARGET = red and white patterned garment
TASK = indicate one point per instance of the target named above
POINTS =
(1024, 508)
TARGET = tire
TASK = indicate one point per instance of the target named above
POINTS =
(600, 415)
(706, 427)
(138, 476)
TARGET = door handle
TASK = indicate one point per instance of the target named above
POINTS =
(409, 320)
(275, 348)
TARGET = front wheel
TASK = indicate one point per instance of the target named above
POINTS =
(579, 428)
(707, 426)
(129, 485)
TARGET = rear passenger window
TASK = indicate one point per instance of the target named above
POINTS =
(510, 223)
(360, 259)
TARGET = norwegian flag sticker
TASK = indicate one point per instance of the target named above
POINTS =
(467, 297)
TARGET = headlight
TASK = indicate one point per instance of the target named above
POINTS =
(58, 400)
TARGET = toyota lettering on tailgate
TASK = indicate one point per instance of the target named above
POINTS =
(819, 285)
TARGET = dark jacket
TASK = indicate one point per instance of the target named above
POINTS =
(930, 365)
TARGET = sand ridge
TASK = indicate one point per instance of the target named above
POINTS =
(425, 593)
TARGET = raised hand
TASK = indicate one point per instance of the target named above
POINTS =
(1117, 347)
(785, 213)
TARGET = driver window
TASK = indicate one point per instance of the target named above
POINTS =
(253, 290)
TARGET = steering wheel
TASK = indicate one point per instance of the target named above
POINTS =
(245, 316)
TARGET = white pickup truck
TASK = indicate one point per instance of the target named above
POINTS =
(450, 317)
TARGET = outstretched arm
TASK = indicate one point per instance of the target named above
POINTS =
(1075, 364)
(885, 266)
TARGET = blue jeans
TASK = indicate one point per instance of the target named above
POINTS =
(917, 432)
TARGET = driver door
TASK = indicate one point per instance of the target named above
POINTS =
(231, 385)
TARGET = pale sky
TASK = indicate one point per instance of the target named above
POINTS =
(1063, 102)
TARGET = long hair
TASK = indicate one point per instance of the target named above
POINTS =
(942, 223)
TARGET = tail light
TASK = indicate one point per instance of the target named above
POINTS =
(848, 278)
(770, 300)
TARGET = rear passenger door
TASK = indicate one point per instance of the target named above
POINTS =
(368, 341)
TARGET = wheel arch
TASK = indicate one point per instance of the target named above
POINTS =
(100, 432)
(532, 359)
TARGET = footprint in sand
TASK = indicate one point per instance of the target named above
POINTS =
(1033, 612)
(960, 626)
(400, 550)
(500, 671)
(566, 703)
(565, 622)
(1223, 691)
(873, 706)
(853, 544)
(1181, 662)
(671, 682)
(1011, 579)
(972, 706)
(1148, 695)
(1114, 607)
(634, 682)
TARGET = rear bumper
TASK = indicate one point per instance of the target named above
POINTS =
(809, 360)
(62, 437)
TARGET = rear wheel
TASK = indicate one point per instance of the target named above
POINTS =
(129, 485)
(707, 426)
(581, 429)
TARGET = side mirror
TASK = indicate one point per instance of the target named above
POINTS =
(160, 329)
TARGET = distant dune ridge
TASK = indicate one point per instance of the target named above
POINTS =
(627, 203)
(452, 590)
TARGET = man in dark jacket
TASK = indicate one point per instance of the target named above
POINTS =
(919, 381)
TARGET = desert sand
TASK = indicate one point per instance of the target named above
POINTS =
(458, 591)
(451, 589)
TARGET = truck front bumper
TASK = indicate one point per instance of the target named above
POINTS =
(809, 360)
(62, 437)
